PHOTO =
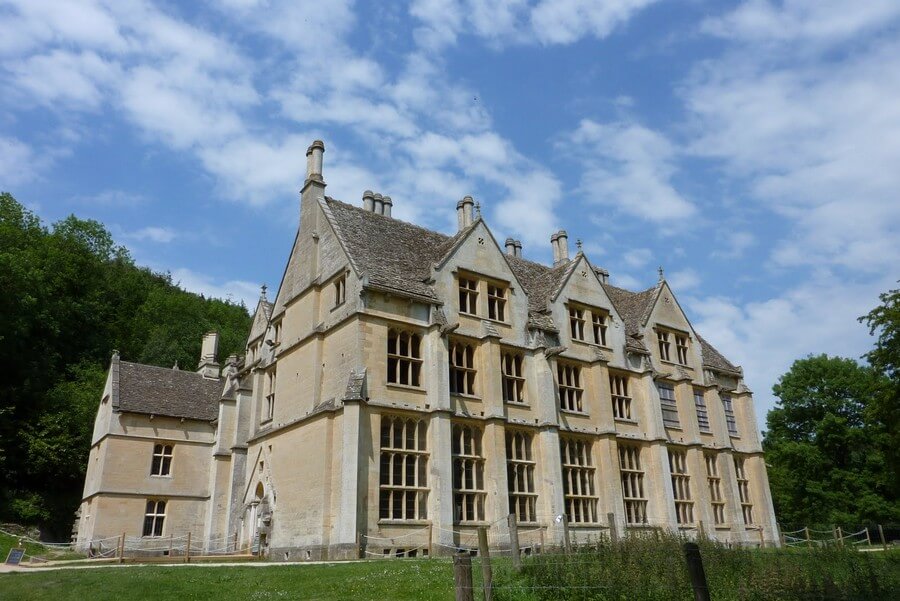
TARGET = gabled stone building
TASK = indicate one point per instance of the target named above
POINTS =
(406, 385)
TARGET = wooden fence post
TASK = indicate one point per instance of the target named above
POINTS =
(187, 551)
(762, 540)
(514, 541)
(567, 543)
(235, 545)
(614, 529)
(840, 536)
(462, 577)
(868, 538)
(485, 553)
(808, 539)
(696, 572)
(170, 545)
(881, 534)
(541, 534)
(122, 549)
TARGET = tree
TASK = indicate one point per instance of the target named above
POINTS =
(827, 450)
(884, 321)
(70, 296)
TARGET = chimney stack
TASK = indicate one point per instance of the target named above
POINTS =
(464, 211)
(519, 248)
(511, 247)
(386, 208)
(208, 367)
(314, 161)
(379, 204)
(553, 242)
(562, 243)
(368, 200)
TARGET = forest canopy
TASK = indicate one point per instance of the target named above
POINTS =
(70, 297)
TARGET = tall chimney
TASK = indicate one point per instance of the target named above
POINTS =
(511, 247)
(519, 248)
(208, 367)
(368, 200)
(554, 243)
(314, 161)
(468, 209)
(562, 242)
(460, 215)
(379, 204)
(386, 208)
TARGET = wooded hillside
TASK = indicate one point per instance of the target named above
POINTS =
(70, 296)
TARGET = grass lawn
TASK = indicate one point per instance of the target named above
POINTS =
(381, 580)
(8, 542)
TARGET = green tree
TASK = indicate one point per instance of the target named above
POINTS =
(884, 321)
(826, 450)
(71, 296)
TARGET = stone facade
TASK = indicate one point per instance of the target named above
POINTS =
(406, 387)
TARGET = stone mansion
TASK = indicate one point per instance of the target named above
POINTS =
(407, 385)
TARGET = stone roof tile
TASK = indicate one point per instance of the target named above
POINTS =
(162, 391)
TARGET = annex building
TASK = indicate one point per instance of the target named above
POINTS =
(407, 386)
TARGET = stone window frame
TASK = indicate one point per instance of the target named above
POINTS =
(621, 400)
(403, 468)
(714, 481)
(467, 287)
(631, 475)
(702, 411)
(512, 370)
(340, 290)
(668, 406)
(682, 346)
(576, 322)
(662, 339)
(462, 367)
(743, 484)
(161, 464)
(269, 408)
(681, 487)
(570, 385)
(730, 417)
(520, 469)
(469, 493)
(580, 493)
(154, 518)
(408, 363)
(600, 326)
(584, 319)
(498, 301)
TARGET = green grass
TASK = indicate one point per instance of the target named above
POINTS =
(35, 550)
(382, 580)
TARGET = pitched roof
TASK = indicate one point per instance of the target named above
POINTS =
(161, 391)
(394, 254)
(713, 358)
(635, 308)
(260, 319)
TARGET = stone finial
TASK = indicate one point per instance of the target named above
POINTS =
(579, 244)
(262, 292)
(662, 276)
(477, 210)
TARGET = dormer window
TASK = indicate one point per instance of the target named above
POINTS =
(496, 302)
(340, 290)
(468, 296)
(576, 323)
(681, 347)
(462, 368)
(664, 344)
(599, 327)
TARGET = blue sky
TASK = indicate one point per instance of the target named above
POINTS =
(750, 148)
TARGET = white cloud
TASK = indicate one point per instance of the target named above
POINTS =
(630, 168)
(18, 163)
(234, 290)
(545, 22)
(817, 136)
(734, 244)
(160, 235)
(807, 20)
(765, 337)
(637, 257)
(114, 197)
(684, 280)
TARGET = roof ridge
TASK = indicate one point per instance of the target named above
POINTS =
(168, 369)
(329, 199)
